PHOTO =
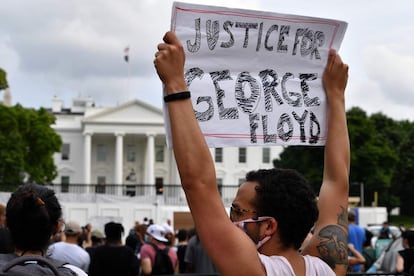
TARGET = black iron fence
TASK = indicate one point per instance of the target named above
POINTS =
(169, 194)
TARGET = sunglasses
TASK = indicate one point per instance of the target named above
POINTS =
(237, 212)
(242, 224)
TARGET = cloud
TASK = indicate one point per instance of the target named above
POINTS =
(393, 72)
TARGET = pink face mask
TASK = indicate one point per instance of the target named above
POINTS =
(242, 225)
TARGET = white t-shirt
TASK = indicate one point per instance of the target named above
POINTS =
(71, 253)
(280, 266)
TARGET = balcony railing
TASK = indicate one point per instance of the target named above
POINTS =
(169, 194)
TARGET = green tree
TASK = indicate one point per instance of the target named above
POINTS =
(403, 180)
(27, 145)
(374, 155)
(306, 160)
(3, 80)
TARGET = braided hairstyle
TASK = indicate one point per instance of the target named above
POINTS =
(32, 214)
(285, 195)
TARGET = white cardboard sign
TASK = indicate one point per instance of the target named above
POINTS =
(254, 76)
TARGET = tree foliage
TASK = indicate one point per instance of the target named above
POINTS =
(3, 80)
(382, 154)
(27, 145)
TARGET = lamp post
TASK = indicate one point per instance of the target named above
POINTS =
(361, 191)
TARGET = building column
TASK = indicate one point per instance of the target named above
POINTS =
(150, 159)
(119, 150)
(87, 148)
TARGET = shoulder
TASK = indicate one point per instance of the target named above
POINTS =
(276, 265)
(316, 266)
(75, 269)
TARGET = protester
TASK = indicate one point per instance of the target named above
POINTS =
(385, 232)
(274, 208)
(368, 251)
(113, 258)
(69, 250)
(156, 241)
(405, 258)
(196, 258)
(181, 248)
(33, 213)
(135, 239)
(356, 237)
(355, 258)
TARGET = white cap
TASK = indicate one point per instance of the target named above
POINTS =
(157, 232)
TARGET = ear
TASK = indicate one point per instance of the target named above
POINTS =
(270, 226)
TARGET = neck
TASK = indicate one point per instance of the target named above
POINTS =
(29, 252)
(275, 247)
(114, 242)
(71, 239)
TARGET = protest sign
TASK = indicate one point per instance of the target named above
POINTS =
(254, 76)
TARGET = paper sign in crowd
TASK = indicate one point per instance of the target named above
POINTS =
(255, 77)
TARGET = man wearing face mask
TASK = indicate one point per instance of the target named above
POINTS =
(274, 208)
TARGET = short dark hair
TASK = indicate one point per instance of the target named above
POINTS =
(285, 195)
(32, 214)
(409, 236)
(351, 216)
(113, 231)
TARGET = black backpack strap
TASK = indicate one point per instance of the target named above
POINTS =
(31, 259)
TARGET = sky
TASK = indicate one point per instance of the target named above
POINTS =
(75, 48)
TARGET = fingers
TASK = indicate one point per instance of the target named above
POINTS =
(334, 60)
(171, 38)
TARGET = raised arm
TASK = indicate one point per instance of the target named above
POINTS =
(331, 229)
(227, 246)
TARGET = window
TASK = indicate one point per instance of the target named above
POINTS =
(64, 182)
(242, 155)
(101, 153)
(159, 185)
(65, 151)
(241, 181)
(220, 185)
(218, 155)
(266, 155)
(131, 153)
(159, 153)
(100, 188)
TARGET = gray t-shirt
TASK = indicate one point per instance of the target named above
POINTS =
(198, 258)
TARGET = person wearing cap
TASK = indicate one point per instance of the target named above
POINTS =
(68, 249)
(113, 258)
(155, 235)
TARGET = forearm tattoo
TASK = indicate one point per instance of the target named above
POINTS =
(333, 241)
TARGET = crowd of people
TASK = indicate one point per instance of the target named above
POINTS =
(32, 226)
(384, 252)
(277, 226)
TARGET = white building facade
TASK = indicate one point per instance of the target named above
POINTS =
(113, 159)
(126, 145)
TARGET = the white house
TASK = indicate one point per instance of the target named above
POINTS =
(124, 146)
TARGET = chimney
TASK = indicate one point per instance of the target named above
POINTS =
(57, 105)
(7, 98)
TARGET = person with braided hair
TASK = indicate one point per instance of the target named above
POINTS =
(33, 215)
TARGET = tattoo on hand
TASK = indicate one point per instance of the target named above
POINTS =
(333, 245)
